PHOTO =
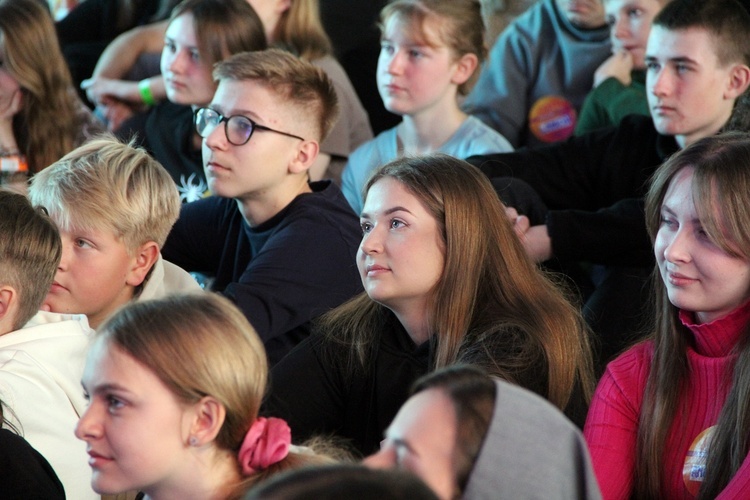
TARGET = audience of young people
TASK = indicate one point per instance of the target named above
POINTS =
(449, 273)
(698, 57)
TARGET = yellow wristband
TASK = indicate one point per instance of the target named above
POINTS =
(145, 89)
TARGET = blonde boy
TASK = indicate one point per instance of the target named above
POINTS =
(41, 353)
(114, 206)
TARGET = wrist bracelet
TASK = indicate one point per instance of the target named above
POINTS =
(12, 163)
(145, 90)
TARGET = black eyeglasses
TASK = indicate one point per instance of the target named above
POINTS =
(237, 128)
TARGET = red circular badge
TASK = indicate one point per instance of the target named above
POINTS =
(552, 119)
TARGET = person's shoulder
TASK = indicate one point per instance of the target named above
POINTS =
(325, 200)
(634, 362)
(25, 472)
(474, 137)
(167, 279)
(45, 328)
(531, 24)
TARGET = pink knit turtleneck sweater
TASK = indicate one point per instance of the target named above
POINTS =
(612, 423)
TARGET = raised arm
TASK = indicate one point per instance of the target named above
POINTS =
(118, 58)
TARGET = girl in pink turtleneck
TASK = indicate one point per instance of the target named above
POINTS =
(670, 416)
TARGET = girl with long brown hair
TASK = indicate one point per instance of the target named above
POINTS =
(41, 116)
(670, 416)
(446, 280)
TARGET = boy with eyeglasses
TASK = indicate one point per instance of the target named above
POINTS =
(282, 248)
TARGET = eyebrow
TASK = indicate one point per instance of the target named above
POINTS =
(235, 112)
(665, 208)
(365, 215)
(678, 59)
(107, 387)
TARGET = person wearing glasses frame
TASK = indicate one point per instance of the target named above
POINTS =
(281, 247)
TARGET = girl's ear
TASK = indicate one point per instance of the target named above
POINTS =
(207, 417)
(465, 67)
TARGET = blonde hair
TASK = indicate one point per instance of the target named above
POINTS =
(459, 23)
(491, 306)
(107, 185)
(30, 251)
(300, 30)
(48, 125)
(202, 345)
(294, 81)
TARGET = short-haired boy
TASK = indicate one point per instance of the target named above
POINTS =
(41, 353)
(114, 206)
(281, 247)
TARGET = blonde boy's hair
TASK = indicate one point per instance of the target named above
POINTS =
(295, 81)
(30, 251)
(111, 186)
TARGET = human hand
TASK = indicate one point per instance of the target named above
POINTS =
(520, 223)
(618, 65)
(98, 89)
(115, 112)
(537, 243)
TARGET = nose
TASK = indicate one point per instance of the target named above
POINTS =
(620, 29)
(371, 242)
(67, 250)
(396, 63)
(217, 139)
(382, 459)
(677, 248)
(178, 62)
(88, 427)
(660, 82)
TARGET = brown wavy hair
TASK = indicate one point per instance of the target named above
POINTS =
(49, 124)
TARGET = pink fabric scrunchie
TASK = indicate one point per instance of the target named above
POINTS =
(266, 443)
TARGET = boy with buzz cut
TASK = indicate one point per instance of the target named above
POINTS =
(41, 353)
(280, 247)
(114, 206)
(697, 79)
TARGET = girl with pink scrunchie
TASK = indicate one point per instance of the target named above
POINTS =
(174, 387)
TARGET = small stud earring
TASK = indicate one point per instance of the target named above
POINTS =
(193, 441)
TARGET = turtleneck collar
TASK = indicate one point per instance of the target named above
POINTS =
(717, 338)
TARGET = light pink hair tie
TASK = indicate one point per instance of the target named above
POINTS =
(266, 443)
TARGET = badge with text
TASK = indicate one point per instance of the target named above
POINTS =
(552, 119)
(694, 469)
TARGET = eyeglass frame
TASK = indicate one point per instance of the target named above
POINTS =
(255, 126)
